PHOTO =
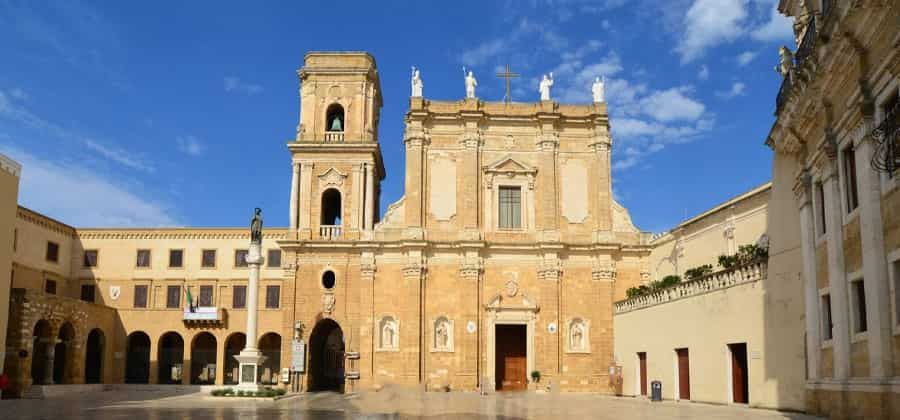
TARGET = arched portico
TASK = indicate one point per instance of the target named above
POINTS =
(326, 357)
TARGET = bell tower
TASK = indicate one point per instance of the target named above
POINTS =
(337, 165)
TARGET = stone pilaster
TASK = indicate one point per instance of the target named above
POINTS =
(875, 274)
(602, 145)
(414, 200)
(414, 274)
(837, 277)
(471, 141)
(370, 197)
(802, 193)
(295, 191)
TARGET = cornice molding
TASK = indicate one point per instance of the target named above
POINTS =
(10, 166)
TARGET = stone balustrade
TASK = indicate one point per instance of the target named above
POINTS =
(719, 280)
(330, 232)
(334, 137)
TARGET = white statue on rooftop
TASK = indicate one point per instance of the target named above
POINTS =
(416, 83)
(786, 64)
(471, 83)
(598, 90)
(544, 87)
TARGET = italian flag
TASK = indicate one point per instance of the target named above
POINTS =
(190, 300)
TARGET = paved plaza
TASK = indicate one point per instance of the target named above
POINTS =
(393, 403)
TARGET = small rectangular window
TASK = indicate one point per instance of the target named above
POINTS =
(273, 296)
(510, 207)
(90, 258)
(239, 297)
(176, 258)
(240, 258)
(50, 287)
(274, 259)
(819, 197)
(850, 184)
(140, 296)
(827, 324)
(173, 296)
(206, 296)
(52, 252)
(143, 258)
(208, 260)
(860, 323)
(87, 292)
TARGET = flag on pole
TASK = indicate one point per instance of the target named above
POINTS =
(190, 300)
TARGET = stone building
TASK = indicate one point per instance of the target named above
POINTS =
(716, 338)
(503, 258)
(835, 190)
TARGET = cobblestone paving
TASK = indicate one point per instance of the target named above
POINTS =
(392, 403)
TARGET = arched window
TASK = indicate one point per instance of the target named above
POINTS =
(334, 118)
(331, 207)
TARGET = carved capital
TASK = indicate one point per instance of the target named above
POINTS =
(414, 270)
(802, 187)
(471, 139)
(549, 270)
(604, 272)
(548, 142)
(600, 146)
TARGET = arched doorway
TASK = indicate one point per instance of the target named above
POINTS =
(326, 357)
(137, 359)
(233, 346)
(334, 118)
(170, 358)
(62, 354)
(270, 346)
(203, 359)
(331, 207)
(39, 352)
(93, 357)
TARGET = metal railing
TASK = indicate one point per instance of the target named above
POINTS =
(719, 280)
(330, 232)
(807, 44)
(334, 137)
(887, 137)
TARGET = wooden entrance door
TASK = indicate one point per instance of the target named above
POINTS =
(511, 367)
(684, 375)
(642, 361)
(739, 374)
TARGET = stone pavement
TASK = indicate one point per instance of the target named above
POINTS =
(390, 403)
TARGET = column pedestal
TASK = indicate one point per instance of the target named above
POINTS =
(249, 360)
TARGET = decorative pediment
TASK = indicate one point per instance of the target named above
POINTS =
(511, 168)
(502, 302)
(332, 178)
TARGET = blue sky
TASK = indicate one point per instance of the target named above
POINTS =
(178, 115)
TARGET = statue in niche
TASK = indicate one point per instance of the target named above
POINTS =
(256, 225)
(328, 303)
(598, 90)
(577, 336)
(416, 83)
(544, 87)
(442, 335)
(387, 334)
(786, 65)
(471, 83)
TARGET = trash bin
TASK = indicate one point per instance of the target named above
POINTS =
(656, 391)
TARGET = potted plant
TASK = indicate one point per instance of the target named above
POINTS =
(535, 378)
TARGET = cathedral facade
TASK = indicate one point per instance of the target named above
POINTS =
(497, 269)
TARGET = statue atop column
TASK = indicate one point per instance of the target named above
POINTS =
(471, 83)
(544, 87)
(598, 90)
(416, 83)
(256, 225)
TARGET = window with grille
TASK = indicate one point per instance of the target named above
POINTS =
(173, 296)
(273, 296)
(176, 258)
(143, 258)
(239, 297)
(87, 292)
(206, 295)
(208, 258)
(850, 188)
(510, 207)
(50, 287)
(140, 296)
(274, 258)
(52, 252)
(90, 258)
(240, 258)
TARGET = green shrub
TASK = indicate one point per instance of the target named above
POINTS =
(216, 393)
(227, 391)
(535, 376)
(240, 393)
(746, 254)
(697, 272)
(669, 281)
(280, 391)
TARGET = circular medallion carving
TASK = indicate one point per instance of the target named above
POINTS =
(114, 292)
(551, 328)
(470, 327)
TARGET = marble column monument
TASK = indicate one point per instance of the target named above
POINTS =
(250, 357)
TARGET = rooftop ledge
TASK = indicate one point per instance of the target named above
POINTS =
(719, 280)
(500, 108)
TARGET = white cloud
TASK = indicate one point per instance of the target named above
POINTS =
(19, 94)
(236, 85)
(704, 73)
(672, 104)
(778, 27)
(745, 58)
(14, 111)
(79, 196)
(190, 145)
(737, 89)
(709, 23)
(483, 52)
